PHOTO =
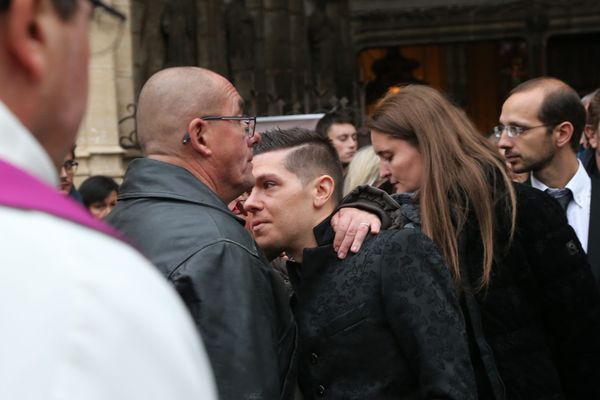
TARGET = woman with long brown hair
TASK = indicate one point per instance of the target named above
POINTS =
(521, 273)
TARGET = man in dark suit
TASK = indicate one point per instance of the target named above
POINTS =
(539, 131)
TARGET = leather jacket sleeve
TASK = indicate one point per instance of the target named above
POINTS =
(425, 315)
(377, 202)
(570, 302)
(223, 286)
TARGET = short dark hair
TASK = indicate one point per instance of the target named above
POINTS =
(314, 155)
(561, 104)
(72, 151)
(96, 188)
(64, 8)
(334, 117)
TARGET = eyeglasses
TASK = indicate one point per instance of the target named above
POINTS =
(248, 128)
(513, 130)
(107, 27)
(70, 165)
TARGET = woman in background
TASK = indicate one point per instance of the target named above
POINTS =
(529, 300)
(362, 170)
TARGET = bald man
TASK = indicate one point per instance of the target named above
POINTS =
(173, 205)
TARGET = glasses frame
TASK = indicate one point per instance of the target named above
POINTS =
(70, 165)
(110, 10)
(249, 134)
(518, 130)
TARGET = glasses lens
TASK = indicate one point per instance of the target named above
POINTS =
(106, 29)
(250, 125)
(70, 165)
(498, 130)
(513, 131)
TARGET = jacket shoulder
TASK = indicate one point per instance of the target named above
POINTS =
(537, 211)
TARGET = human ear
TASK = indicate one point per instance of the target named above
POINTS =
(198, 131)
(324, 187)
(564, 133)
(27, 28)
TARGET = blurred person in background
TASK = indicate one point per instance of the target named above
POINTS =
(592, 133)
(67, 173)
(99, 194)
(585, 153)
(362, 170)
(340, 127)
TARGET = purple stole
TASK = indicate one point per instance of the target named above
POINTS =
(20, 190)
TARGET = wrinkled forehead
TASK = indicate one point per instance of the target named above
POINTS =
(233, 101)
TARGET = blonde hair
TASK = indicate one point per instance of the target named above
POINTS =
(362, 170)
(463, 173)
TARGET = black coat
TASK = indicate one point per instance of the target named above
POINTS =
(534, 332)
(237, 301)
(381, 324)
(541, 312)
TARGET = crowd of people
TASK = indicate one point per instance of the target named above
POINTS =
(289, 264)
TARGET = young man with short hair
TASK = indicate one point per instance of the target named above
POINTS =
(383, 323)
(340, 128)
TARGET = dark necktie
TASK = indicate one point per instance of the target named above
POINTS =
(563, 196)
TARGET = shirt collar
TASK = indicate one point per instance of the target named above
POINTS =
(580, 185)
(21, 149)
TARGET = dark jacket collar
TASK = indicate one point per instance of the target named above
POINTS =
(316, 258)
(324, 233)
(147, 178)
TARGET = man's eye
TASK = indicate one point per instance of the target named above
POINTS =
(268, 184)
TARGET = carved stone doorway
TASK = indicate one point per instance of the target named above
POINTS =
(475, 75)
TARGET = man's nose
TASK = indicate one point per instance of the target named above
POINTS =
(63, 172)
(251, 204)
(504, 142)
(255, 139)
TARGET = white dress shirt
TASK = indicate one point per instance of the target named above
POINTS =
(82, 315)
(578, 210)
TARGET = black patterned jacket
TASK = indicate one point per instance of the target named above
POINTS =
(381, 324)
(533, 333)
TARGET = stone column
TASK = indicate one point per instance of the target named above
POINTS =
(111, 90)
(277, 55)
(299, 55)
(212, 43)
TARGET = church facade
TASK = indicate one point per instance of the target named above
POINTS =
(308, 56)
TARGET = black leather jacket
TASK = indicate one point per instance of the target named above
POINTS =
(237, 301)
